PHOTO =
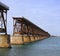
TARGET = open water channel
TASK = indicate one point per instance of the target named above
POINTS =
(47, 47)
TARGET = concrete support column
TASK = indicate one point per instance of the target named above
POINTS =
(26, 39)
(5, 41)
(32, 39)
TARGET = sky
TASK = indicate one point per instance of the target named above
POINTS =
(43, 13)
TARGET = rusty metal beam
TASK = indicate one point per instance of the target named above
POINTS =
(3, 18)
(28, 27)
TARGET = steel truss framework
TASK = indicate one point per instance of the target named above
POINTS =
(3, 18)
(22, 26)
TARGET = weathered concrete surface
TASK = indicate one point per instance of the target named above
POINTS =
(4, 40)
(43, 37)
(16, 40)
(32, 38)
(25, 39)
(36, 38)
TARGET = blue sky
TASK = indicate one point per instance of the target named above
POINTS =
(44, 13)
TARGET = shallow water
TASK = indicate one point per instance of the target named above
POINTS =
(47, 47)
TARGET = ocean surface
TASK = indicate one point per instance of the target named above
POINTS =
(46, 47)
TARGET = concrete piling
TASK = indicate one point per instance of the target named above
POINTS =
(5, 41)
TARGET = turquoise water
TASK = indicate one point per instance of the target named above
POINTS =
(47, 47)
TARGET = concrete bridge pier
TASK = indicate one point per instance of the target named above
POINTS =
(5, 40)
(36, 38)
(27, 39)
(32, 38)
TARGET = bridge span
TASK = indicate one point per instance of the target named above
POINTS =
(25, 31)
